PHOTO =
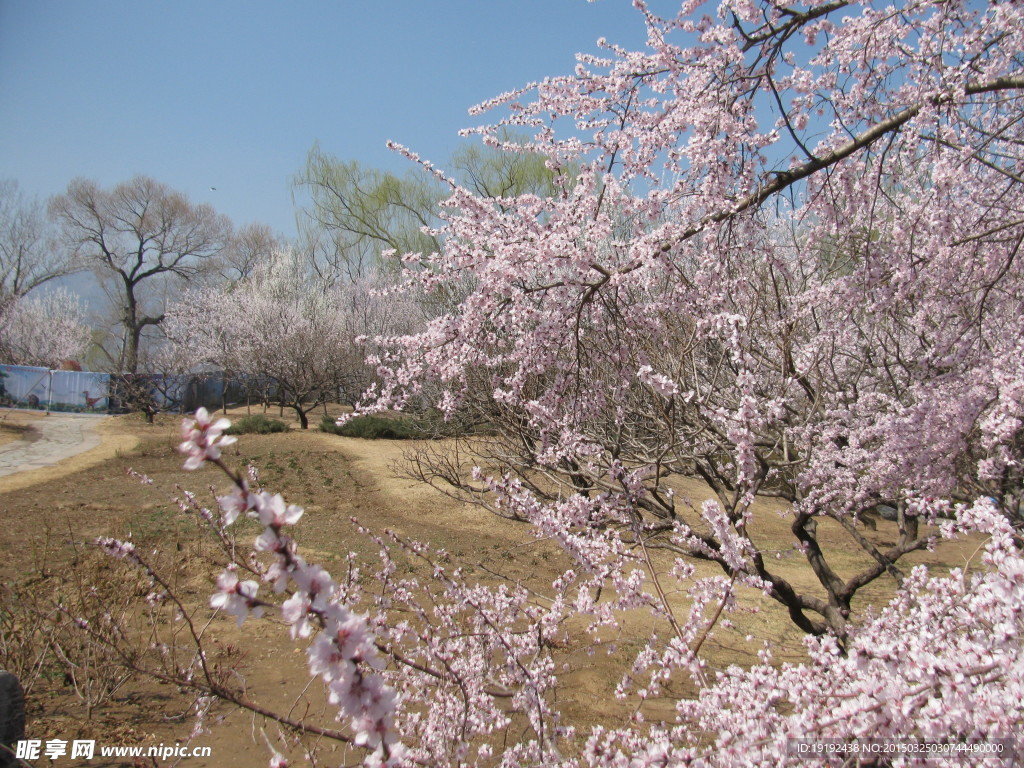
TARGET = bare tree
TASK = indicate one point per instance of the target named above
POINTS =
(137, 236)
(29, 254)
(251, 246)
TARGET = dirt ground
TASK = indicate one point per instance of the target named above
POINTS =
(51, 515)
(51, 512)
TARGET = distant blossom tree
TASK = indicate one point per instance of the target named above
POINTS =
(787, 265)
(44, 329)
(289, 332)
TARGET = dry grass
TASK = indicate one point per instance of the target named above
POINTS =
(16, 425)
(333, 477)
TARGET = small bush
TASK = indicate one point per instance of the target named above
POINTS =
(373, 428)
(258, 424)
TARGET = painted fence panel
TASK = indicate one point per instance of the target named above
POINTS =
(23, 386)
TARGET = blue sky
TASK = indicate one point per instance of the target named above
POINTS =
(232, 94)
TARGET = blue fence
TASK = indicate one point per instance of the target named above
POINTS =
(87, 392)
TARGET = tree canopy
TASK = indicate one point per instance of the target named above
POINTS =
(788, 267)
(137, 236)
(355, 213)
(30, 256)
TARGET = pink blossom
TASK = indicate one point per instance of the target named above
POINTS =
(274, 512)
(296, 612)
(235, 503)
(235, 597)
(203, 438)
(116, 548)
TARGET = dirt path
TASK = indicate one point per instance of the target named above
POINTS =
(58, 444)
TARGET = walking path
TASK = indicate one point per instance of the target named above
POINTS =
(58, 436)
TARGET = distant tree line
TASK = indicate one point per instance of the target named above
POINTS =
(186, 290)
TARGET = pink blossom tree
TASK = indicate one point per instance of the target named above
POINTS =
(786, 265)
(44, 329)
(299, 336)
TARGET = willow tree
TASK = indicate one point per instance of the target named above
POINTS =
(356, 213)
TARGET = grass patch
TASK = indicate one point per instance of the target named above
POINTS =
(373, 428)
(256, 424)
